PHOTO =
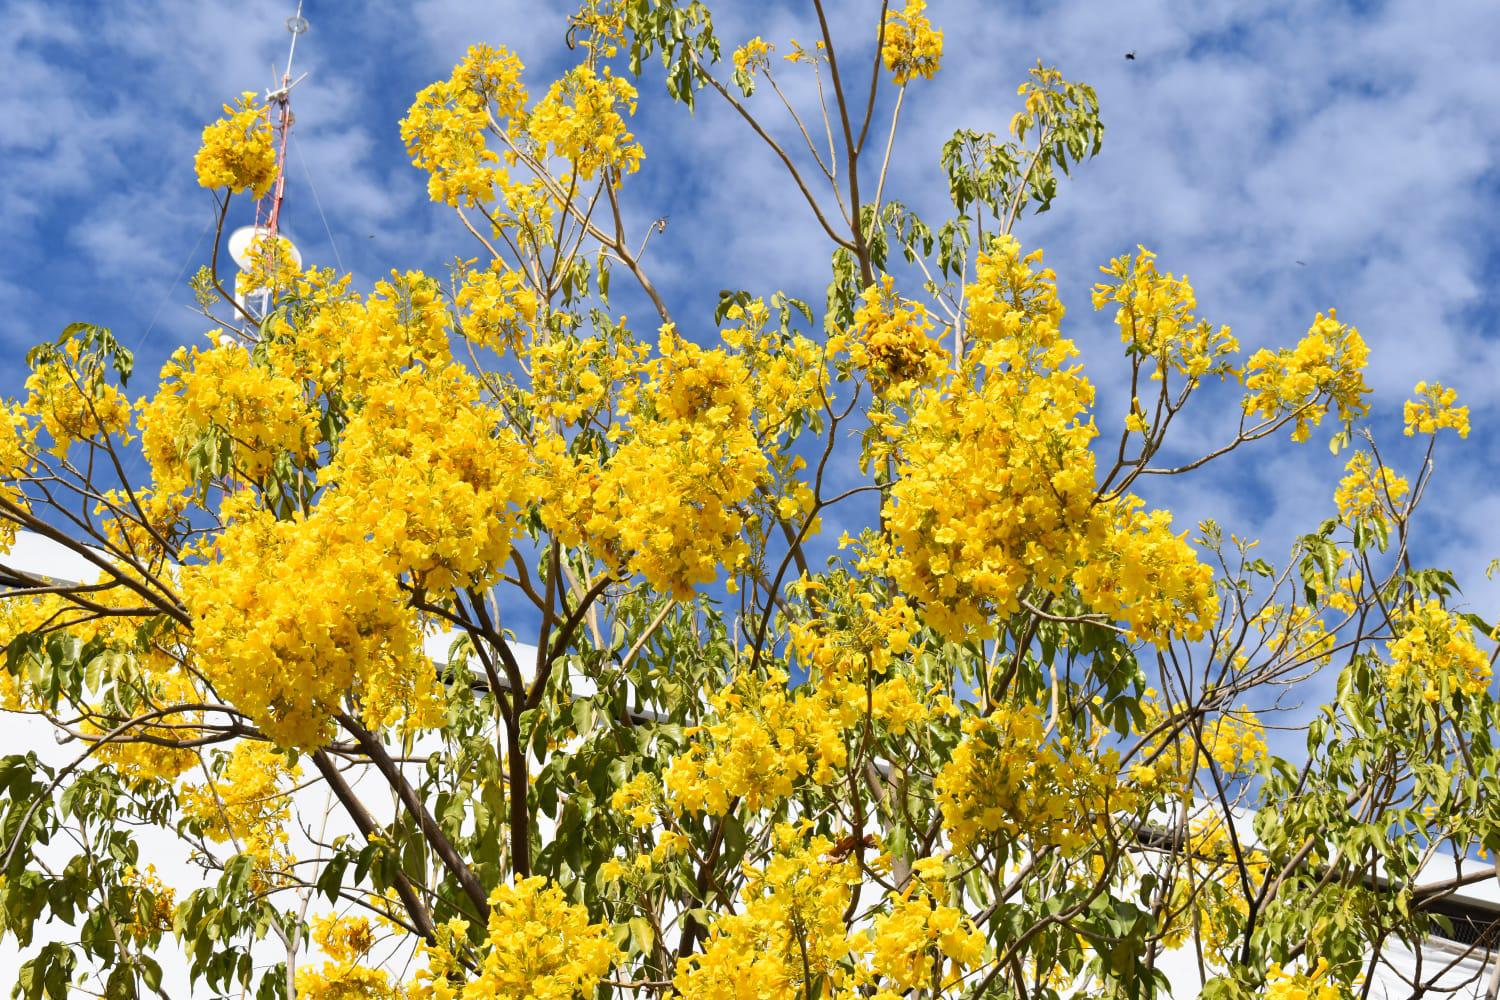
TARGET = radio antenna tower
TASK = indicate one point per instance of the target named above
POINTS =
(243, 239)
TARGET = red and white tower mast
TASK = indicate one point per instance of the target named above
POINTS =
(242, 239)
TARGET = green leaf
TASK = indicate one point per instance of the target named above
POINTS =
(641, 937)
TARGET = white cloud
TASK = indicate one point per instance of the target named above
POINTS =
(1239, 142)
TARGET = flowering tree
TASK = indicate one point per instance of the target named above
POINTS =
(1001, 743)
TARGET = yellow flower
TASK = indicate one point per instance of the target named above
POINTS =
(1156, 320)
(762, 742)
(500, 307)
(853, 632)
(752, 55)
(1326, 367)
(69, 395)
(540, 946)
(912, 47)
(1149, 577)
(271, 267)
(912, 943)
(1008, 780)
(788, 933)
(579, 120)
(638, 797)
(344, 345)
(890, 341)
(237, 151)
(294, 616)
(1433, 410)
(444, 131)
(252, 416)
(431, 481)
(669, 503)
(1434, 650)
(17, 446)
(249, 803)
(347, 942)
(995, 487)
(1313, 985)
(1368, 494)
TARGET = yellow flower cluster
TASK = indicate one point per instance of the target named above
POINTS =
(1325, 368)
(995, 486)
(1344, 595)
(444, 131)
(912, 47)
(753, 55)
(237, 151)
(151, 912)
(1149, 577)
(788, 373)
(346, 941)
(910, 944)
(1013, 300)
(1433, 410)
(494, 76)
(1313, 985)
(788, 938)
(347, 344)
(444, 975)
(1234, 742)
(248, 804)
(579, 120)
(17, 442)
(343, 939)
(139, 761)
(500, 307)
(572, 378)
(851, 632)
(292, 615)
(890, 342)
(73, 401)
(1434, 654)
(425, 474)
(899, 706)
(1155, 317)
(667, 505)
(600, 26)
(540, 946)
(639, 798)
(345, 981)
(1007, 779)
(258, 415)
(153, 532)
(763, 741)
(1208, 896)
(1367, 493)
(271, 266)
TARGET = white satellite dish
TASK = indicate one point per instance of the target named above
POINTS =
(241, 241)
(243, 238)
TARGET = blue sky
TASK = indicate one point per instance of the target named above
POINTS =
(1358, 138)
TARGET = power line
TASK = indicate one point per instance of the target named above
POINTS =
(318, 203)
